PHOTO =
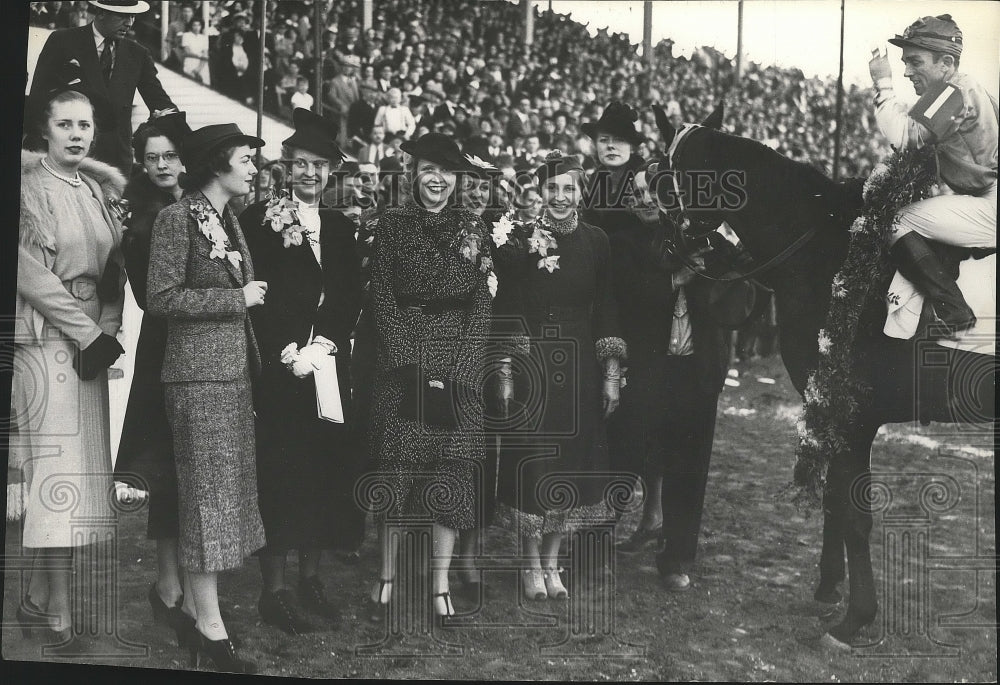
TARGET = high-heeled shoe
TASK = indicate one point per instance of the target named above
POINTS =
(553, 584)
(221, 653)
(533, 583)
(377, 608)
(161, 610)
(449, 610)
(183, 625)
(30, 617)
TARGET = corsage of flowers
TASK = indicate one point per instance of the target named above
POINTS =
(211, 227)
(540, 241)
(470, 246)
(282, 213)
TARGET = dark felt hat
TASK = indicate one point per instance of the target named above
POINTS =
(172, 124)
(618, 119)
(315, 134)
(68, 78)
(938, 34)
(481, 168)
(557, 163)
(440, 149)
(200, 144)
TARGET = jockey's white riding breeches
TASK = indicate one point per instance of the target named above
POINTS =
(963, 220)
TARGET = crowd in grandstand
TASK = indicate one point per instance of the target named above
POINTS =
(461, 68)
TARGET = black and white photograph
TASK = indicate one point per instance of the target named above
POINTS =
(492, 340)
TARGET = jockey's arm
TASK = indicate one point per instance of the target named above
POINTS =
(896, 124)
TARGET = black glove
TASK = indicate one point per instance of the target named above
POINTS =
(97, 356)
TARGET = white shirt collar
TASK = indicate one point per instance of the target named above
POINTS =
(98, 38)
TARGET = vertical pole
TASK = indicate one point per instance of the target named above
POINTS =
(206, 15)
(840, 101)
(319, 30)
(529, 24)
(262, 18)
(366, 14)
(739, 44)
(647, 31)
(164, 28)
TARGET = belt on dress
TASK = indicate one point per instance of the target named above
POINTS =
(554, 313)
(433, 307)
(83, 288)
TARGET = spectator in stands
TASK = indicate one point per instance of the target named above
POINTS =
(519, 124)
(194, 47)
(173, 40)
(385, 81)
(342, 92)
(301, 97)
(395, 116)
(113, 68)
(232, 69)
(375, 149)
(361, 115)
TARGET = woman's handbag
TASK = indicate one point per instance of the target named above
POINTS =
(435, 402)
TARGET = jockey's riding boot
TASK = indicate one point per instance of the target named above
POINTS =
(921, 265)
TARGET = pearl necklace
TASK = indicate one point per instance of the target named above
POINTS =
(75, 182)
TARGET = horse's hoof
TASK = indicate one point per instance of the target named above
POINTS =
(828, 643)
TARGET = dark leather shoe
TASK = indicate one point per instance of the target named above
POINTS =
(276, 609)
(312, 598)
(639, 539)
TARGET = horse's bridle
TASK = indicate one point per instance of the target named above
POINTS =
(685, 222)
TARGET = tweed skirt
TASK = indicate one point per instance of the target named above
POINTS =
(62, 443)
(214, 450)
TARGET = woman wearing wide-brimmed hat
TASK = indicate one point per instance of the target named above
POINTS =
(201, 280)
(615, 140)
(432, 304)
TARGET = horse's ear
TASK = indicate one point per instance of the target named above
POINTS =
(667, 130)
(714, 119)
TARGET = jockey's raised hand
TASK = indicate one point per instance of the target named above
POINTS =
(880, 70)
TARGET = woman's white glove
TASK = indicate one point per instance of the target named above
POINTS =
(610, 393)
(505, 388)
(302, 363)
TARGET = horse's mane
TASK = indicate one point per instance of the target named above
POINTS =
(772, 175)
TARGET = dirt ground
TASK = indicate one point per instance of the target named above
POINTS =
(748, 616)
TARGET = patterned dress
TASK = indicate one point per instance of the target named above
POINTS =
(432, 307)
(554, 449)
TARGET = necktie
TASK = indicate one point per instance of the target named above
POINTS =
(106, 61)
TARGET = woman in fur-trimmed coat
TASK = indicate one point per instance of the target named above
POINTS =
(68, 311)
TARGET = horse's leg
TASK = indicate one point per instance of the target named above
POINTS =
(831, 563)
(853, 474)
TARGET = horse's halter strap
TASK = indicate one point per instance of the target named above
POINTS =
(771, 263)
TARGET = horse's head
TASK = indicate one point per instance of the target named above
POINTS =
(688, 192)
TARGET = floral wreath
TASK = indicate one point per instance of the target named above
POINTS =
(282, 212)
(211, 227)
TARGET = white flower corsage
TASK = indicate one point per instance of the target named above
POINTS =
(282, 213)
(550, 263)
(211, 228)
(501, 231)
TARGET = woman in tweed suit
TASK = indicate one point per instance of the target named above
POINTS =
(201, 281)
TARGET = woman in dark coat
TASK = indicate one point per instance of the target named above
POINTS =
(555, 278)
(432, 307)
(201, 280)
(146, 451)
(307, 465)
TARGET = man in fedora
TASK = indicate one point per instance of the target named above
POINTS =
(342, 92)
(306, 463)
(959, 118)
(112, 67)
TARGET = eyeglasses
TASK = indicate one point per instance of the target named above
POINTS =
(168, 157)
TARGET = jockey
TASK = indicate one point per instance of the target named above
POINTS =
(958, 117)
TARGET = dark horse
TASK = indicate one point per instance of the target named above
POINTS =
(781, 200)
